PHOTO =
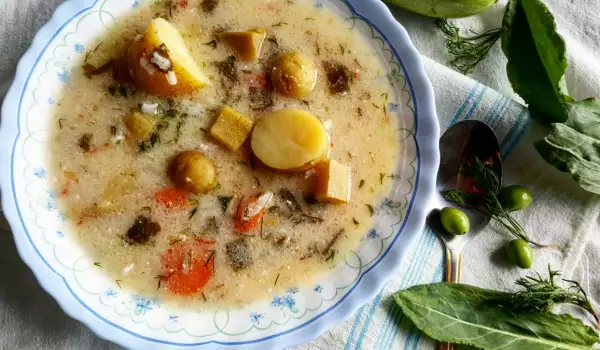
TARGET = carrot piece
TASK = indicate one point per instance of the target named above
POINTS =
(250, 211)
(188, 266)
(171, 198)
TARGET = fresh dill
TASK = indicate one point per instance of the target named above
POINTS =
(192, 213)
(355, 222)
(370, 208)
(224, 202)
(276, 279)
(212, 43)
(97, 264)
(361, 183)
(467, 51)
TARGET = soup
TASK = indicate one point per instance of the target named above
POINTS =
(245, 158)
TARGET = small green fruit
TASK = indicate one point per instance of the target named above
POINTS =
(520, 253)
(455, 221)
(515, 197)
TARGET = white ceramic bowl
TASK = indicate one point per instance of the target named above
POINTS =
(297, 316)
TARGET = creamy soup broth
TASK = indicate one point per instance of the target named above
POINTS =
(291, 248)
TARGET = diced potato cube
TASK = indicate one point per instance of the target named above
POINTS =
(231, 128)
(246, 44)
(333, 182)
(139, 125)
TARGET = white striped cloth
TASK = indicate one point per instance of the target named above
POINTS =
(561, 213)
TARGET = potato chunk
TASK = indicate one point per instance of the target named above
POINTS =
(333, 182)
(193, 172)
(231, 128)
(294, 75)
(139, 125)
(160, 63)
(246, 44)
(290, 139)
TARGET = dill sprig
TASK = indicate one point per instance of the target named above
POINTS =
(488, 204)
(467, 51)
(541, 295)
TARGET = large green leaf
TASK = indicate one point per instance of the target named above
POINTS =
(574, 146)
(460, 313)
(536, 58)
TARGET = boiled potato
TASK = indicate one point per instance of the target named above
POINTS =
(139, 125)
(290, 139)
(118, 187)
(333, 182)
(294, 75)
(231, 128)
(160, 63)
(193, 171)
(246, 44)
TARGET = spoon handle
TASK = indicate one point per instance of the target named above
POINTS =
(453, 262)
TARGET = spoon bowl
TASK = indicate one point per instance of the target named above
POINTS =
(461, 142)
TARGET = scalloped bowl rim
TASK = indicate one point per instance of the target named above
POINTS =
(370, 281)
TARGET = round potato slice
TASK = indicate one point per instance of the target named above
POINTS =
(290, 139)
(160, 63)
(192, 171)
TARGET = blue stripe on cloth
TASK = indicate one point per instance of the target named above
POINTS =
(393, 311)
(524, 123)
(354, 325)
(418, 251)
(465, 103)
(363, 332)
(496, 118)
(429, 238)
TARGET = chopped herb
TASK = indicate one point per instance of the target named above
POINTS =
(239, 254)
(219, 286)
(192, 213)
(381, 177)
(305, 102)
(212, 43)
(360, 112)
(371, 210)
(204, 297)
(147, 145)
(276, 279)
(242, 163)
(290, 200)
(227, 69)
(211, 225)
(60, 123)
(355, 222)
(342, 49)
(385, 96)
(97, 264)
(331, 255)
(260, 99)
(279, 24)
(123, 91)
(357, 63)
(208, 6)
(85, 142)
(317, 46)
(113, 130)
(338, 77)
(376, 106)
(257, 181)
(224, 201)
(142, 230)
(333, 240)
(210, 257)
(309, 19)
(175, 241)
(180, 123)
(159, 279)
(349, 154)
(273, 40)
(112, 90)
(193, 202)
(118, 282)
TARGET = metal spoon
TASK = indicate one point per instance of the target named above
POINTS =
(460, 142)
